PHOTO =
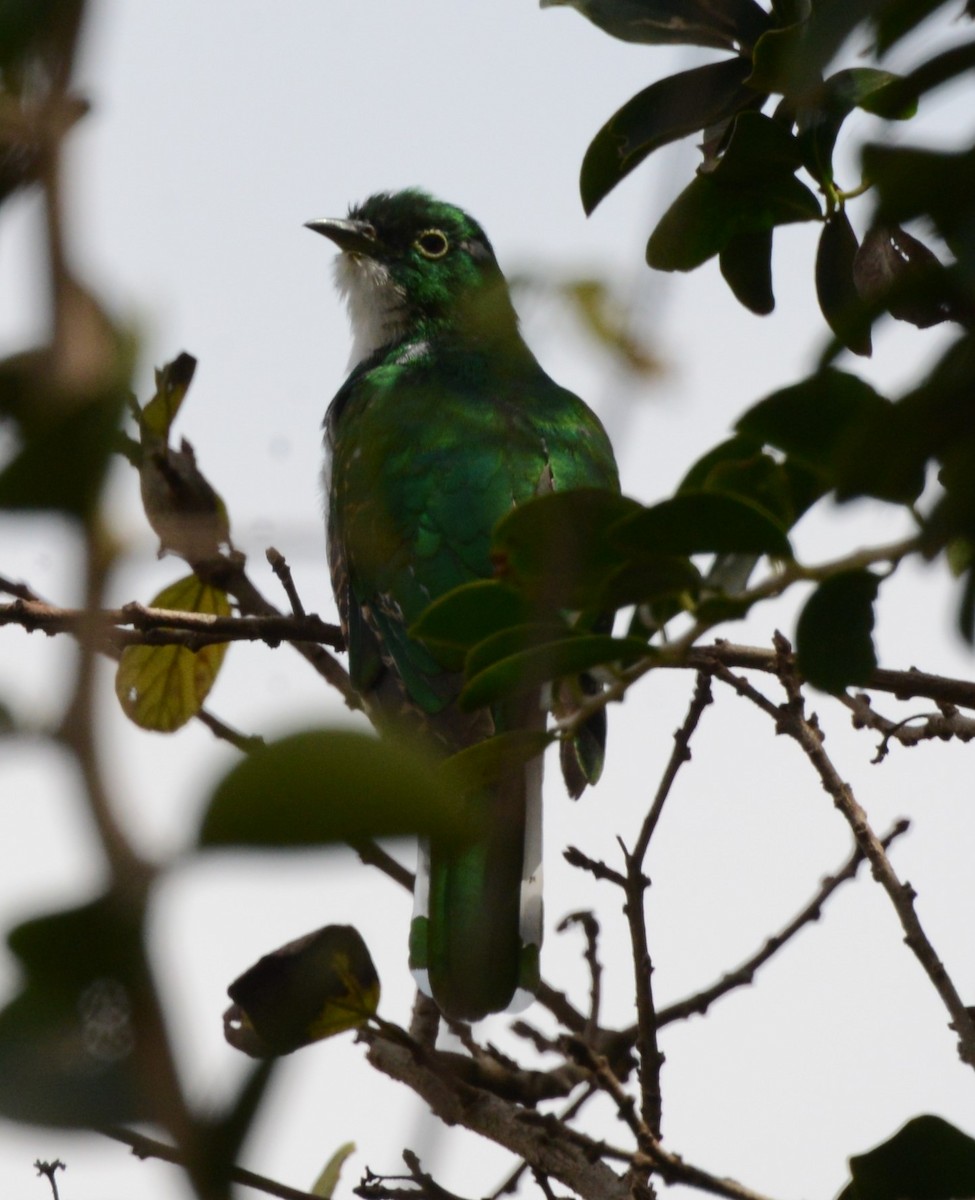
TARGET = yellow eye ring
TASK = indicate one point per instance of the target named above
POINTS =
(432, 243)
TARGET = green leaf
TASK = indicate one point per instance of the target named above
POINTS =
(834, 643)
(312, 988)
(531, 667)
(496, 757)
(836, 289)
(23, 24)
(896, 18)
(914, 183)
(751, 190)
(814, 421)
(669, 109)
(340, 786)
(928, 1159)
(740, 467)
(161, 687)
(62, 463)
(746, 264)
(644, 578)
(555, 548)
(326, 1183)
(172, 384)
(932, 73)
(704, 523)
(69, 1039)
(467, 615)
(727, 26)
(895, 271)
(823, 111)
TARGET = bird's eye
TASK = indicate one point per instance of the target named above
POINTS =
(432, 243)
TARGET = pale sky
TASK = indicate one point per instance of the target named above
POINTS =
(216, 131)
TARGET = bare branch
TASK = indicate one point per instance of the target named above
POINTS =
(590, 927)
(599, 870)
(561, 1153)
(944, 725)
(137, 625)
(790, 718)
(279, 566)
(49, 1170)
(147, 1147)
(743, 975)
(647, 1047)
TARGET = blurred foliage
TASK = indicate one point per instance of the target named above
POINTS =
(76, 1037)
(314, 987)
(928, 1159)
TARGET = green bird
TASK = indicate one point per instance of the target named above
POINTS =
(445, 423)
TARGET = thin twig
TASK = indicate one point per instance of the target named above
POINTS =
(279, 565)
(744, 974)
(647, 1047)
(147, 1147)
(945, 725)
(50, 1169)
(590, 927)
(651, 1157)
(138, 625)
(790, 718)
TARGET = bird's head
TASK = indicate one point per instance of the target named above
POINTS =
(413, 266)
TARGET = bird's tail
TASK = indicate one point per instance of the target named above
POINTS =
(477, 920)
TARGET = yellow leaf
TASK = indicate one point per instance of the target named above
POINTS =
(162, 687)
(327, 1181)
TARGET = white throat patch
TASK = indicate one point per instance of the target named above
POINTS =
(377, 306)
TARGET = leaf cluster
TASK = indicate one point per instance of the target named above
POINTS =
(770, 113)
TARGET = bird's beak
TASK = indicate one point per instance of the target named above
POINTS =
(356, 237)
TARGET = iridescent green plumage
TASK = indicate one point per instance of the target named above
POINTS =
(445, 423)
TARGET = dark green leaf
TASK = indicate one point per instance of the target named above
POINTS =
(539, 664)
(930, 74)
(928, 1159)
(498, 756)
(746, 264)
(645, 578)
(467, 615)
(69, 1039)
(813, 421)
(314, 987)
(836, 290)
(823, 111)
(752, 189)
(736, 449)
(785, 61)
(24, 25)
(704, 523)
(555, 548)
(725, 26)
(834, 643)
(667, 110)
(340, 786)
(896, 18)
(914, 182)
(893, 270)
(63, 463)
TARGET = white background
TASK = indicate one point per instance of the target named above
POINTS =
(216, 130)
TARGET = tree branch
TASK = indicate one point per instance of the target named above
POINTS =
(791, 719)
(743, 975)
(147, 1147)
